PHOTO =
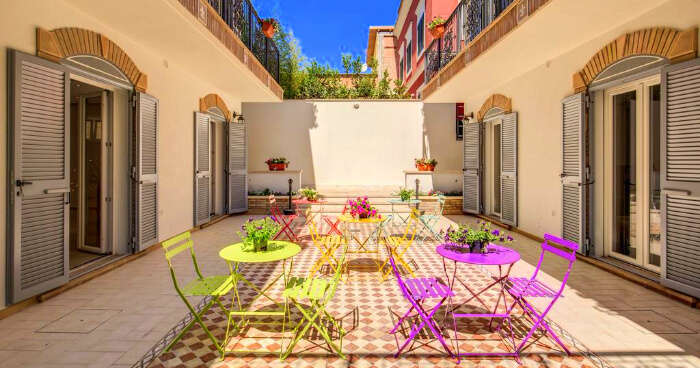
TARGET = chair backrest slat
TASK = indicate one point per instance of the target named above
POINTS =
(568, 256)
(177, 244)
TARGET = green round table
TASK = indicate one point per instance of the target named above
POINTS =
(277, 251)
(238, 253)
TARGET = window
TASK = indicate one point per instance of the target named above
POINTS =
(401, 69)
(420, 34)
(409, 53)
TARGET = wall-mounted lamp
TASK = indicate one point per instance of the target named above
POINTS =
(238, 117)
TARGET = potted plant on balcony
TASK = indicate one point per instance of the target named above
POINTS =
(464, 239)
(269, 27)
(405, 194)
(277, 163)
(362, 209)
(257, 233)
(437, 27)
(426, 164)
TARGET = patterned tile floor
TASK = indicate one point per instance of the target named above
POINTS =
(367, 308)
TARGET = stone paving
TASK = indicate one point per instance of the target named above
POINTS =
(113, 320)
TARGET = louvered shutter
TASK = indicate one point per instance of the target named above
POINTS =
(509, 169)
(572, 176)
(202, 171)
(39, 136)
(471, 191)
(144, 223)
(680, 176)
(237, 178)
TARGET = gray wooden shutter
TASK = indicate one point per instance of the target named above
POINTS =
(145, 172)
(237, 178)
(680, 176)
(471, 175)
(38, 207)
(572, 175)
(202, 171)
(509, 169)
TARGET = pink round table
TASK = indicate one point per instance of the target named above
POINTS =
(496, 256)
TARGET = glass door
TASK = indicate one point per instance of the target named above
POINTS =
(632, 132)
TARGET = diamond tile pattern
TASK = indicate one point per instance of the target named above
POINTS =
(367, 308)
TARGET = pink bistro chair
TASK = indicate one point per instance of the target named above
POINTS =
(285, 221)
(522, 288)
(417, 291)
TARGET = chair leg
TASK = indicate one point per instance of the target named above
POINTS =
(311, 322)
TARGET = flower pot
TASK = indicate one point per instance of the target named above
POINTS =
(476, 247)
(425, 167)
(363, 215)
(438, 31)
(268, 29)
(261, 246)
(277, 167)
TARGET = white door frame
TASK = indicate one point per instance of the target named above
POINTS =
(641, 87)
(489, 170)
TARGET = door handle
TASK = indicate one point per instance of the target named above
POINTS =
(21, 183)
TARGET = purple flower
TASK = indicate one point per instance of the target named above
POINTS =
(510, 238)
(495, 232)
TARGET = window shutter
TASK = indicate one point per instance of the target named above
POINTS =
(471, 188)
(237, 168)
(145, 172)
(202, 171)
(680, 176)
(572, 176)
(509, 169)
(38, 208)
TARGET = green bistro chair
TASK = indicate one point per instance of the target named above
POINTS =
(431, 220)
(318, 292)
(211, 286)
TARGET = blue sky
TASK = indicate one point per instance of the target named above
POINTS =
(326, 29)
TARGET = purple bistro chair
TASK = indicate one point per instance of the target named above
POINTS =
(521, 288)
(417, 291)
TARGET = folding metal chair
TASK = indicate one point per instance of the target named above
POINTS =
(327, 245)
(417, 291)
(285, 221)
(318, 292)
(211, 286)
(430, 221)
(398, 245)
(334, 222)
(521, 288)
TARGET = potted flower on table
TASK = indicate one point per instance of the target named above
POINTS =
(464, 239)
(362, 209)
(256, 234)
(277, 163)
(426, 164)
(405, 194)
(310, 194)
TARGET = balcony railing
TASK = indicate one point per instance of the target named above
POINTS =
(243, 20)
(466, 22)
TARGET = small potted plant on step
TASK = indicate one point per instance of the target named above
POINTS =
(426, 164)
(269, 27)
(277, 163)
(257, 233)
(437, 27)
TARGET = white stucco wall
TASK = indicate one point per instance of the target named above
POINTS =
(336, 144)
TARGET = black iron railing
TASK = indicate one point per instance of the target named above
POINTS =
(467, 21)
(242, 18)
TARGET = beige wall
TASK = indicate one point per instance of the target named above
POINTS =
(336, 144)
(177, 87)
(536, 95)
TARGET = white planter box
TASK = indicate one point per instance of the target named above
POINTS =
(276, 181)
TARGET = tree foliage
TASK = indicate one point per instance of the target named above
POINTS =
(308, 79)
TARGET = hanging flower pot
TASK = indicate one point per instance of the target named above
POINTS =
(269, 27)
(425, 164)
(437, 27)
(438, 31)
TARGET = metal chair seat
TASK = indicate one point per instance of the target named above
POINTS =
(427, 288)
(213, 285)
(301, 288)
(523, 286)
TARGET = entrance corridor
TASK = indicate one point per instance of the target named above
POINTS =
(114, 319)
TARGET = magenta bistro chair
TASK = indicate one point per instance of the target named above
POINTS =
(522, 288)
(417, 291)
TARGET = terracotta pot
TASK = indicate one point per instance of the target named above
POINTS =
(363, 215)
(268, 29)
(425, 167)
(277, 167)
(438, 31)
